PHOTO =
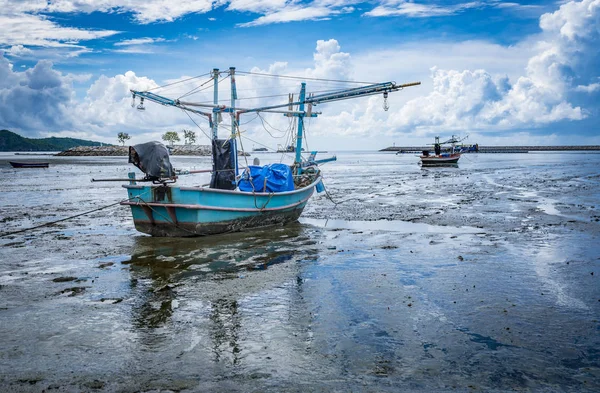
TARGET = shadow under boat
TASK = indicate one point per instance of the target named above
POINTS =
(158, 266)
(439, 165)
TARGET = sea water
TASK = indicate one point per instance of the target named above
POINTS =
(480, 277)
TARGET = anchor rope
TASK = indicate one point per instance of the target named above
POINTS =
(65, 219)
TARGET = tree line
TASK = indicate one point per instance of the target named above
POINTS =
(171, 137)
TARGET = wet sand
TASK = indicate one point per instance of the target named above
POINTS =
(482, 277)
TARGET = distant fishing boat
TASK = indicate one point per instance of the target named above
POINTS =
(442, 159)
(29, 164)
(450, 156)
(258, 196)
(287, 149)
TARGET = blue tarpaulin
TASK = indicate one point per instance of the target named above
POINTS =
(278, 178)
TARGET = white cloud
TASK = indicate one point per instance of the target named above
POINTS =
(296, 14)
(145, 11)
(562, 61)
(475, 100)
(35, 30)
(18, 51)
(413, 9)
(138, 45)
(37, 98)
(139, 41)
(134, 49)
(588, 88)
(258, 6)
(478, 87)
(418, 10)
(78, 78)
(330, 62)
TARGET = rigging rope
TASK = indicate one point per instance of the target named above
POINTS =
(304, 78)
(263, 121)
(197, 125)
(193, 91)
(181, 81)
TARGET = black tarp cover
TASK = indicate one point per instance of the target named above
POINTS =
(223, 176)
(152, 158)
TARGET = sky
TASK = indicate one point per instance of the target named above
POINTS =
(494, 72)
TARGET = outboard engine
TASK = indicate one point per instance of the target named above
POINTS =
(152, 158)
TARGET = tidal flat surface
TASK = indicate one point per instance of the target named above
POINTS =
(477, 278)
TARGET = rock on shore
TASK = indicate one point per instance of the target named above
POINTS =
(177, 150)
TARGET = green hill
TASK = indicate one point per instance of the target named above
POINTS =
(9, 141)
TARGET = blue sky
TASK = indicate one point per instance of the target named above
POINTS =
(501, 72)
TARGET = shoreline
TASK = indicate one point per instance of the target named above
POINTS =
(94, 151)
(500, 149)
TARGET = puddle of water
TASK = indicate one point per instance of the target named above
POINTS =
(549, 208)
(387, 225)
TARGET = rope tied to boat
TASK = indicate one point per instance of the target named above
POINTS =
(65, 219)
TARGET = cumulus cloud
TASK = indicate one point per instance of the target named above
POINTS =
(558, 81)
(36, 99)
(18, 51)
(565, 61)
(330, 62)
(471, 100)
(41, 101)
(588, 88)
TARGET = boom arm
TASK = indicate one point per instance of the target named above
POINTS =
(368, 90)
(359, 91)
(342, 95)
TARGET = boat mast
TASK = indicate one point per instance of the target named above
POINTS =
(215, 119)
(233, 142)
(298, 160)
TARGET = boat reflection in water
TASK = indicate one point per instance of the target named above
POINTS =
(192, 290)
(439, 165)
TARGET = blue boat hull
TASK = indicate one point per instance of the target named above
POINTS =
(197, 211)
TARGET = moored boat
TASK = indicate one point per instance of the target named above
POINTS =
(449, 156)
(29, 164)
(442, 159)
(258, 196)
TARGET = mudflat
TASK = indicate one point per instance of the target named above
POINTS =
(479, 277)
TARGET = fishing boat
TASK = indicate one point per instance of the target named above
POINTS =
(442, 159)
(234, 200)
(29, 164)
(442, 156)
